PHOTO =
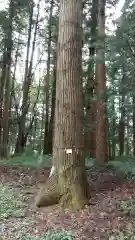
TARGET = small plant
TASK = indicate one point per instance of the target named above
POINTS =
(47, 236)
(127, 206)
(121, 235)
(59, 236)
(10, 205)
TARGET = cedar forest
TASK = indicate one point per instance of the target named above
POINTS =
(67, 119)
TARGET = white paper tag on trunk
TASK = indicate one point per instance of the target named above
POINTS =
(69, 151)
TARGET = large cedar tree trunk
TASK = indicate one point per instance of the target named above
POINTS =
(101, 120)
(68, 183)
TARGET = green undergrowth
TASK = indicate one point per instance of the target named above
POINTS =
(29, 159)
(11, 205)
(89, 161)
(125, 165)
(33, 159)
(121, 235)
(47, 236)
(127, 206)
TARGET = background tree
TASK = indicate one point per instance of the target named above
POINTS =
(101, 118)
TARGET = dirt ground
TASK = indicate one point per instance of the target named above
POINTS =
(94, 222)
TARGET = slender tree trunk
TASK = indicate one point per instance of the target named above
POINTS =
(90, 125)
(2, 86)
(134, 124)
(127, 147)
(14, 75)
(101, 120)
(122, 128)
(45, 150)
(68, 184)
(51, 122)
(34, 133)
(113, 130)
(90, 133)
(21, 122)
(21, 138)
(42, 127)
(4, 150)
(122, 117)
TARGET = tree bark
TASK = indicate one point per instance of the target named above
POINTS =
(68, 184)
(101, 118)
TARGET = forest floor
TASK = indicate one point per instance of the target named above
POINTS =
(110, 214)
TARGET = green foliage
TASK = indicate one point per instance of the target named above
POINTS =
(31, 159)
(125, 165)
(127, 206)
(48, 236)
(34, 159)
(121, 235)
(89, 161)
(10, 205)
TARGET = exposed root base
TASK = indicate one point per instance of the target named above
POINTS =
(69, 201)
(72, 196)
(49, 194)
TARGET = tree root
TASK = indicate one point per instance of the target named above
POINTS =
(69, 192)
(49, 194)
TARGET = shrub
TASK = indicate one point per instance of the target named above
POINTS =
(121, 235)
(47, 236)
(127, 206)
(10, 205)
